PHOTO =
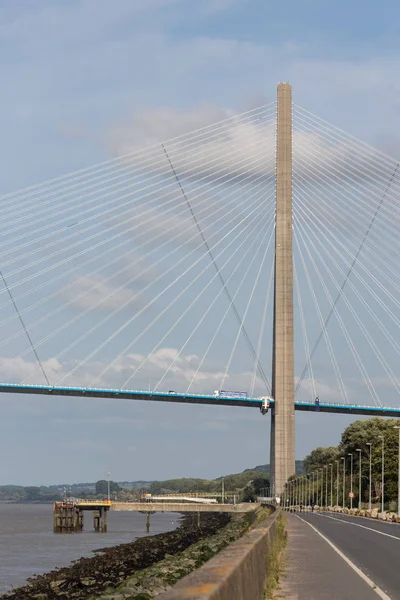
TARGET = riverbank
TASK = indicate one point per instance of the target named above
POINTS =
(112, 567)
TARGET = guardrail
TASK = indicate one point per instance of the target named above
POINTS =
(238, 572)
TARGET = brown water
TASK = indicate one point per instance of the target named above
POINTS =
(28, 545)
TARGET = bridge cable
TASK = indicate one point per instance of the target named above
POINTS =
(350, 270)
(114, 274)
(136, 226)
(25, 328)
(154, 299)
(135, 177)
(331, 352)
(263, 320)
(313, 213)
(222, 320)
(234, 219)
(177, 139)
(354, 313)
(342, 325)
(227, 293)
(210, 306)
(128, 203)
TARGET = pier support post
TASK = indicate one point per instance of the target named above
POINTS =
(147, 522)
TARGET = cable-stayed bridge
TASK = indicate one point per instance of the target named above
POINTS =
(151, 276)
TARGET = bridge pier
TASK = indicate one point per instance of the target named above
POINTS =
(100, 520)
(67, 518)
(282, 455)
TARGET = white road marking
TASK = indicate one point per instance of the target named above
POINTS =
(362, 526)
(367, 580)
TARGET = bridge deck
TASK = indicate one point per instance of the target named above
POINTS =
(325, 407)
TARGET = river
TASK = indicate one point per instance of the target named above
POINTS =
(28, 545)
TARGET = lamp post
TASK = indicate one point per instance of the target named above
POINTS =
(223, 491)
(343, 458)
(359, 477)
(398, 479)
(383, 472)
(312, 475)
(351, 479)
(108, 486)
(317, 486)
(370, 476)
(326, 486)
(337, 482)
(322, 487)
(331, 466)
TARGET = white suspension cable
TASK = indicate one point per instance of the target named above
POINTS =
(373, 258)
(216, 332)
(366, 271)
(261, 334)
(141, 174)
(339, 176)
(243, 318)
(200, 321)
(356, 356)
(383, 305)
(370, 340)
(150, 303)
(176, 139)
(135, 277)
(313, 390)
(332, 356)
(224, 178)
(148, 241)
(344, 134)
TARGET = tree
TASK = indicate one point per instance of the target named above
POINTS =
(354, 442)
(102, 487)
(319, 458)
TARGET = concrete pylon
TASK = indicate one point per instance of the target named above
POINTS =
(282, 457)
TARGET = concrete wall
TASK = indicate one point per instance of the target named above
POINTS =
(237, 573)
(183, 507)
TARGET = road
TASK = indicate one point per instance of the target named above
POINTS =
(373, 546)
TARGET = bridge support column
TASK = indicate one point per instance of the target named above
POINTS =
(282, 457)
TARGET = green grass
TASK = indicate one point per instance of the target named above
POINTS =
(275, 557)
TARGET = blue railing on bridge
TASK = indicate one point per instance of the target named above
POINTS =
(192, 399)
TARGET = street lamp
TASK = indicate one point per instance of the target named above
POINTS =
(351, 479)
(313, 473)
(337, 482)
(343, 458)
(359, 477)
(398, 479)
(223, 491)
(383, 472)
(326, 486)
(331, 466)
(322, 488)
(370, 476)
(108, 487)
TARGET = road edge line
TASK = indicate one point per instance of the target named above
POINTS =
(367, 580)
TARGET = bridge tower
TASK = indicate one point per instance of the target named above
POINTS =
(282, 456)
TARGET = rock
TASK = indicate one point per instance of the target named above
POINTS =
(56, 584)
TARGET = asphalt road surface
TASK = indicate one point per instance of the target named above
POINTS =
(373, 546)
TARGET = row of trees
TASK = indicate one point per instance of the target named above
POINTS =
(357, 442)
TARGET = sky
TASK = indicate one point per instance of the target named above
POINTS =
(85, 79)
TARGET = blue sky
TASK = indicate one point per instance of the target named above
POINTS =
(81, 77)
